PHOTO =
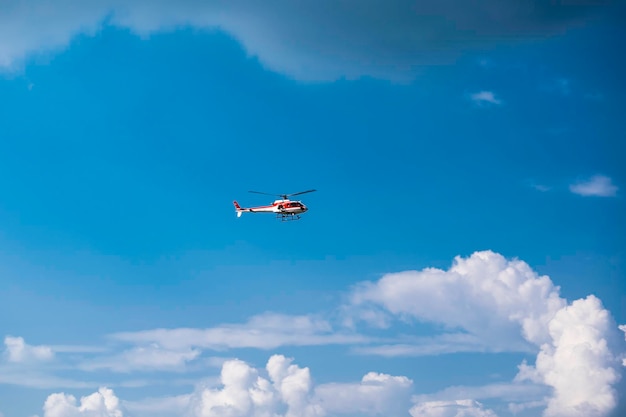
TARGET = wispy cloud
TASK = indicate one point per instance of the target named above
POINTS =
(596, 186)
(542, 188)
(537, 185)
(444, 344)
(453, 408)
(485, 97)
(265, 331)
(17, 350)
(39, 379)
(151, 357)
(509, 391)
(164, 406)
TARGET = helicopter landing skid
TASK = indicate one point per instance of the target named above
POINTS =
(283, 217)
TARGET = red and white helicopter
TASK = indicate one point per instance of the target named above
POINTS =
(285, 209)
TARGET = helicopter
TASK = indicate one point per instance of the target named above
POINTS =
(285, 209)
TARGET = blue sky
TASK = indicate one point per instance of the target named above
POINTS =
(464, 254)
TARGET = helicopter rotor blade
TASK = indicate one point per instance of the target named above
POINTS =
(259, 192)
(283, 196)
(301, 192)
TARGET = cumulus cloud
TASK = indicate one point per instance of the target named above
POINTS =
(265, 331)
(17, 350)
(281, 389)
(485, 97)
(103, 403)
(487, 296)
(457, 408)
(318, 40)
(578, 362)
(244, 392)
(596, 186)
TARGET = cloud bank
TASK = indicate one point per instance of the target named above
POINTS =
(282, 389)
(488, 296)
(483, 302)
(317, 40)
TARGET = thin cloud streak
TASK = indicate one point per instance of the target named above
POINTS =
(485, 97)
(266, 331)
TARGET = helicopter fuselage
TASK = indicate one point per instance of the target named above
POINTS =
(278, 206)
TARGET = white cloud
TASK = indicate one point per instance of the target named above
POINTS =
(578, 362)
(151, 357)
(244, 393)
(282, 389)
(596, 186)
(485, 97)
(42, 380)
(78, 349)
(265, 331)
(317, 40)
(158, 407)
(17, 350)
(457, 408)
(103, 403)
(444, 343)
(513, 391)
(376, 394)
(488, 296)
(519, 395)
(484, 302)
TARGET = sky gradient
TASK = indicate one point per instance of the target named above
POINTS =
(464, 254)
